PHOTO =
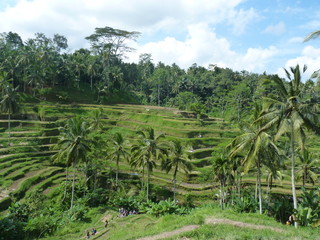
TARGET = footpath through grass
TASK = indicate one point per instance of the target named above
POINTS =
(144, 226)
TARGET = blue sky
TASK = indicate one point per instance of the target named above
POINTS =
(252, 35)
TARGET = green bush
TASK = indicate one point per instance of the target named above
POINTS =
(246, 203)
(162, 208)
(279, 206)
(308, 211)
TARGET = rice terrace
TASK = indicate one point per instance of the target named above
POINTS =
(93, 146)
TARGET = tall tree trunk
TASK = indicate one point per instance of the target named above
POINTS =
(304, 177)
(259, 186)
(91, 82)
(256, 189)
(142, 181)
(238, 109)
(174, 189)
(9, 128)
(175, 182)
(65, 187)
(295, 203)
(73, 182)
(117, 172)
(95, 179)
(148, 179)
(158, 95)
(222, 194)
(240, 182)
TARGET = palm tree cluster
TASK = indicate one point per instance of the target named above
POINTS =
(77, 139)
(287, 114)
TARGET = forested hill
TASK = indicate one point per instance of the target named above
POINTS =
(41, 66)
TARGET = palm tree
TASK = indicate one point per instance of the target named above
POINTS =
(271, 175)
(177, 159)
(73, 145)
(222, 170)
(138, 160)
(308, 163)
(91, 71)
(289, 113)
(95, 119)
(254, 145)
(118, 150)
(9, 103)
(147, 151)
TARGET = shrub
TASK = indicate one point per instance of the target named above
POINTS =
(246, 203)
(162, 208)
(308, 212)
(279, 206)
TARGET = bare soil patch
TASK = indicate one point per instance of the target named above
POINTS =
(210, 221)
(171, 233)
(240, 224)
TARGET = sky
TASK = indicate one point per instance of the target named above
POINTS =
(253, 35)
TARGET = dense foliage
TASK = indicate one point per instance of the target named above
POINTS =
(273, 115)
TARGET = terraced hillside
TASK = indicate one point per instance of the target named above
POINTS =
(25, 164)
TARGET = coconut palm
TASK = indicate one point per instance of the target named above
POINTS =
(118, 150)
(147, 151)
(288, 113)
(271, 175)
(9, 103)
(222, 170)
(138, 160)
(73, 145)
(95, 119)
(176, 160)
(91, 71)
(307, 166)
(256, 147)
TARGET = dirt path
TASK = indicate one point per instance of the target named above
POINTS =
(210, 221)
(171, 233)
(240, 224)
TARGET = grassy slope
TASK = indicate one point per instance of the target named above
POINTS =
(134, 227)
(32, 139)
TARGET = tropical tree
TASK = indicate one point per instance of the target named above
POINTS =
(222, 170)
(111, 45)
(118, 150)
(288, 113)
(138, 160)
(307, 167)
(271, 175)
(256, 146)
(176, 160)
(9, 103)
(73, 145)
(147, 151)
(95, 119)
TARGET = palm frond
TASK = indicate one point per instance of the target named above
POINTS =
(313, 35)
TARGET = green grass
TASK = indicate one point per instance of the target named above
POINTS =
(29, 182)
(137, 226)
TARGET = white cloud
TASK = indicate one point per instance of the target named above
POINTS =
(164, 23)
(296, 40)
(310, 56)
(202, 46)
(276, 29)
(78, 18)
(240, 19)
